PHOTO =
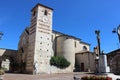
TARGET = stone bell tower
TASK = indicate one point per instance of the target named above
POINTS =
(40, 44)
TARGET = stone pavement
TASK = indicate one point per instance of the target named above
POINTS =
(60, 76)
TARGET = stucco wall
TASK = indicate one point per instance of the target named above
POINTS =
(54, 69)
(65, 47)
(7, 54)
(80, 45)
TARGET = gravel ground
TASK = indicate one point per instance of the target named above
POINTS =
(65, 76)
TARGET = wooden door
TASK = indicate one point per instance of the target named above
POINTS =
(82, 66)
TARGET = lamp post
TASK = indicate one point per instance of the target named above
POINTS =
(1, 34)
(117, 31)
(97, 32)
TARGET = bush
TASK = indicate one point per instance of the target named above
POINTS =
(2, 72)
(96, 78)
(59, 62)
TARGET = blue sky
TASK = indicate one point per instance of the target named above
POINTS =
(79, 18)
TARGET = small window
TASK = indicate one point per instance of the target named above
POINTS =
(45, 12)
(84, 48)
(52, 38)
(75, 44)
(34, 13)
(40, 42)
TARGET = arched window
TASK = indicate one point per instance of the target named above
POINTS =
(84, 48)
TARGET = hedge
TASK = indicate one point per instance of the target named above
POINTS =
(59, 62)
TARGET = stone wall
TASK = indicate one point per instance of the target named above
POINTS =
(113, 59)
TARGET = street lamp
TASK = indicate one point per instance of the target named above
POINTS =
(117, 31)
(97, 32)
(1, 34)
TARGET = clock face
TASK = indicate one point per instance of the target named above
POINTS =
(45, 19)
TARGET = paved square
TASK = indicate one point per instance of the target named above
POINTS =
(62, 76)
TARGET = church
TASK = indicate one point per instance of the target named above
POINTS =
(39, 42)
